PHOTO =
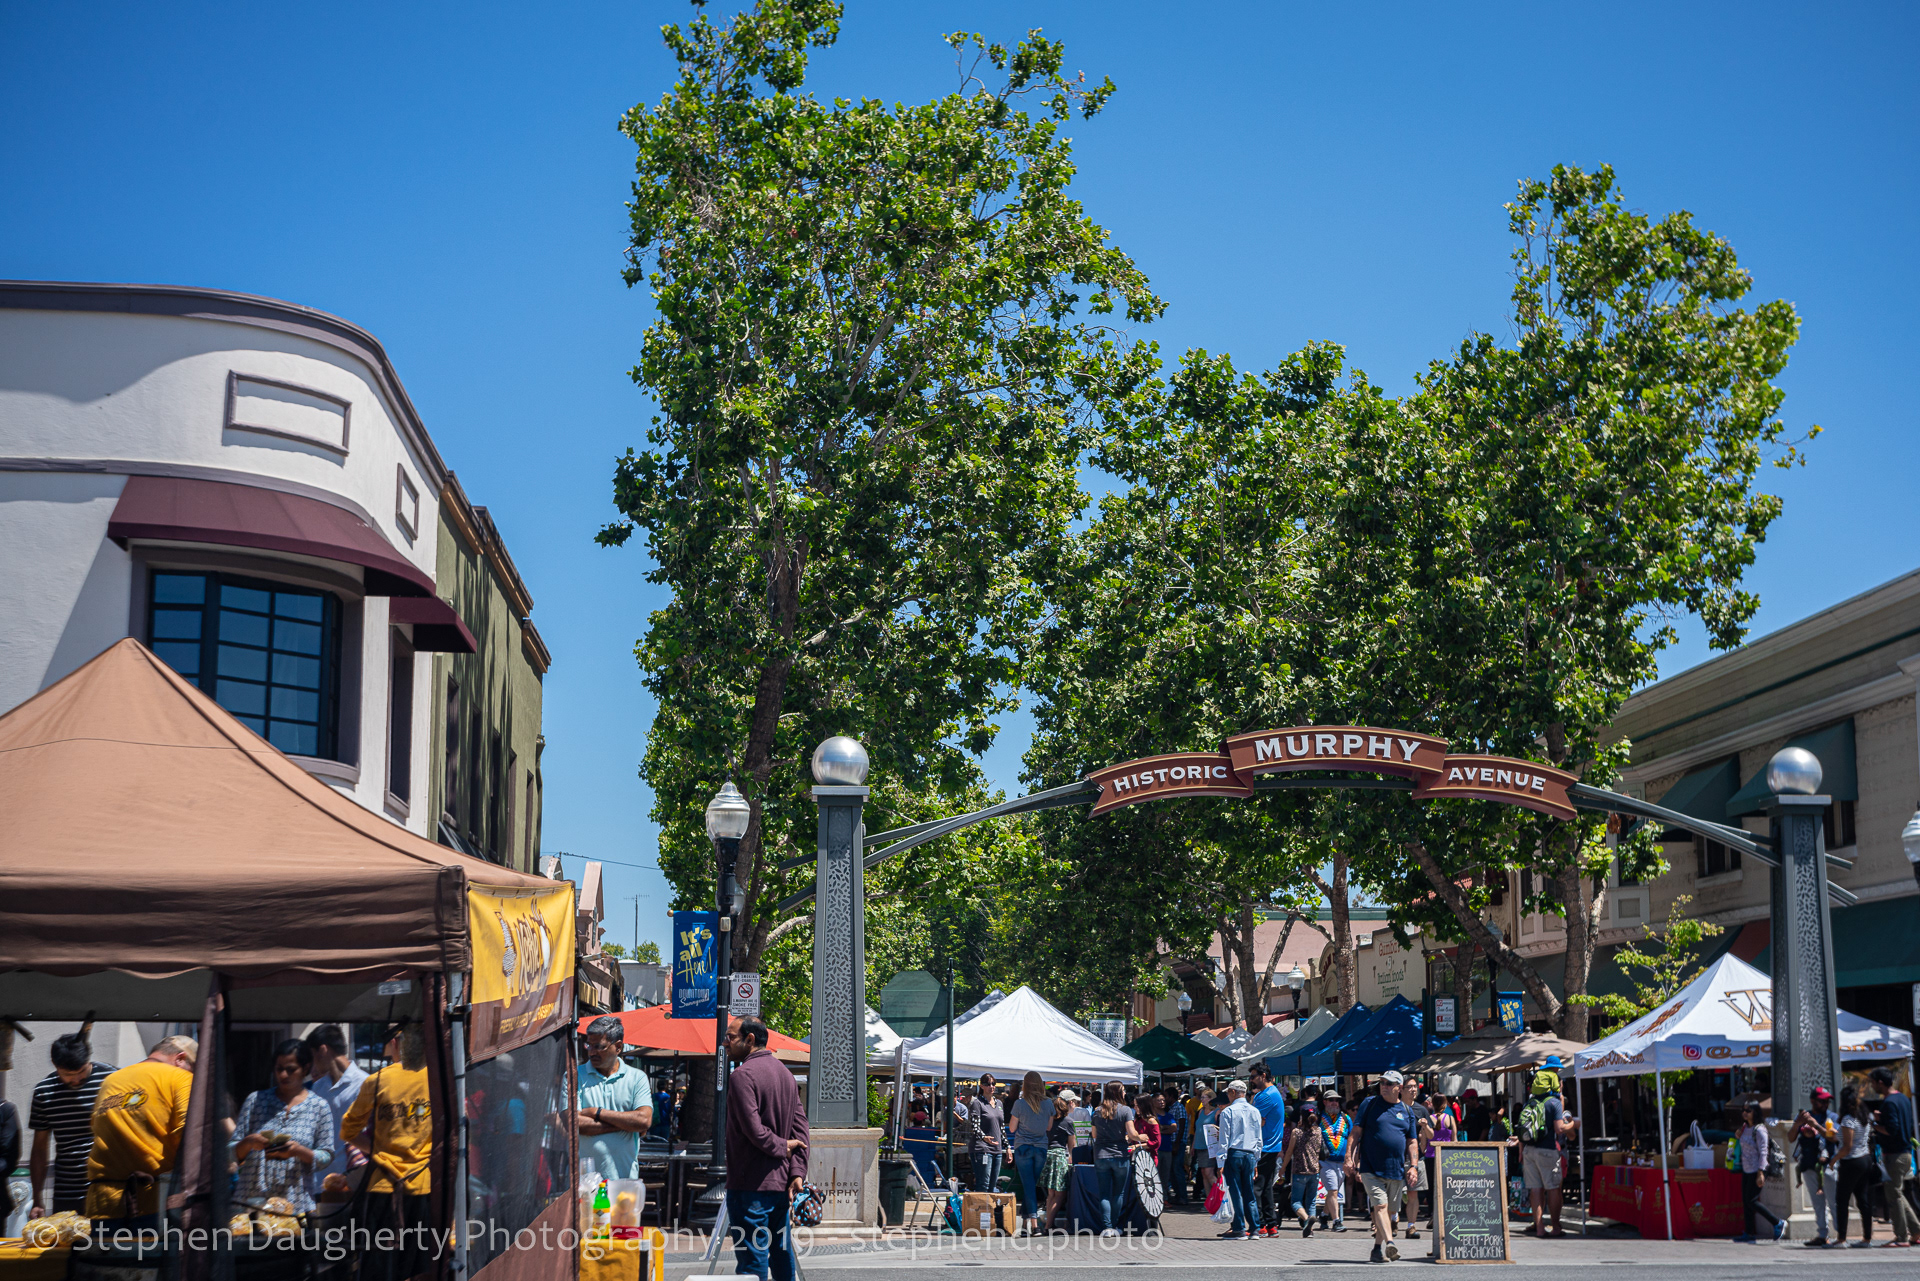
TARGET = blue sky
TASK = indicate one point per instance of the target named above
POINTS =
(450, 178)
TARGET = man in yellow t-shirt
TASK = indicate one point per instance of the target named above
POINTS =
(138, 1121)
(391, 1120)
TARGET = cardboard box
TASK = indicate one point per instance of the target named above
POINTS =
(1613, 1158)
(987, 1213)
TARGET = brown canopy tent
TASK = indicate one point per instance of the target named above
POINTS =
(160, 861)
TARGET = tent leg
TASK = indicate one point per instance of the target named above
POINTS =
(1586, 1190)
(1660, 1117)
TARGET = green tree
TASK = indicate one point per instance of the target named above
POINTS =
(647, 952)
(617, 951)
(882, 336)
(1661, 971)
(1562, 500)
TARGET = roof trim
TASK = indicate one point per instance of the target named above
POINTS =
(193, 302)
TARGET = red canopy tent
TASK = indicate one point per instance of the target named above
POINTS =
(657, 1034)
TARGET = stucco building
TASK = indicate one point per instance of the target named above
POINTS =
(243, 485)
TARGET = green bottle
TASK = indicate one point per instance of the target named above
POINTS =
(602, 1211)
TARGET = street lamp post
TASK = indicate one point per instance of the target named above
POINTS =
(1910, 842)
(1806, 1031)
(728, 815)
(837, 1072)
(1184, 1004)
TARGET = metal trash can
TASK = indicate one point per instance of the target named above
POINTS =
(893, 1188)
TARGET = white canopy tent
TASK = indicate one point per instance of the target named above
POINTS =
(1723, 1019)
(882, 1040)
(1303, 1032)
(1013, 1035)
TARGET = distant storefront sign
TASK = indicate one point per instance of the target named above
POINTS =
(1111, 1028)
(1445, 1022)
(695, 972)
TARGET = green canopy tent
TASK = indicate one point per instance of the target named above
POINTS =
(1162, 1049)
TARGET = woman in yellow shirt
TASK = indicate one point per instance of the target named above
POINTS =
(391, 1120)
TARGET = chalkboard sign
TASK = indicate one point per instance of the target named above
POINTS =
(1470, 1203)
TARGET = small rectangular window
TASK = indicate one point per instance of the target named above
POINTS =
(506, 795)
(529, 846)
(1839, 825)
(1711, 858)
(400, 721)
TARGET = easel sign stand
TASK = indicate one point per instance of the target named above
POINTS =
(1470, 1203)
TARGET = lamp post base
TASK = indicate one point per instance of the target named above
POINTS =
(845, 1166)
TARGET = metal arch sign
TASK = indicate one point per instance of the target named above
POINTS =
(1421, 758)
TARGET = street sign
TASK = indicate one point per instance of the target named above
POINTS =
(1445, 1023)
(744, 995)
(913, 1003)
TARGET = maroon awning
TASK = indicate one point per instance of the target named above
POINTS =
(214, 511)
(437, 626)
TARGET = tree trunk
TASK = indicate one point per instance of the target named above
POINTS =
(784, 569)
(1582, 916)
(1252, 1010)
(1273, 960)
(1227, 990)
(1465, 958)
(1476, 929)
(1345, 979)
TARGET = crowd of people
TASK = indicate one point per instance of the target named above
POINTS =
(1303, 1160)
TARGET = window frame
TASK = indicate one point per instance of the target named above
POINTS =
(330, 726)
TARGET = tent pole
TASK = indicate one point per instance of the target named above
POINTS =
(1660, 1118)
(1586, 1190)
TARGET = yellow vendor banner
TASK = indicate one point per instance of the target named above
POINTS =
(522, 966)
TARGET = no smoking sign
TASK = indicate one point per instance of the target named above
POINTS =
(743, 995)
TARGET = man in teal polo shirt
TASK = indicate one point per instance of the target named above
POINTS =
(616, 1103)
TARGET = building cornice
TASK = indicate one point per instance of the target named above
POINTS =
(1832, 708)
(193, 302)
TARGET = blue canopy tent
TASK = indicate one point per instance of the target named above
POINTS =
(1388, 1037)
(1289, 1064)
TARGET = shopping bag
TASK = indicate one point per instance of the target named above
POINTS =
(1223, 1213)
(1216, 1195)
(1698, 1154)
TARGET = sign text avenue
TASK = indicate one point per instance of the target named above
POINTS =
(1365, 749)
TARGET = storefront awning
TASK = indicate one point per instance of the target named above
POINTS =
(176, 509)
(1873, 943)
(1833, 745)
(1702, 794)
(437, 626)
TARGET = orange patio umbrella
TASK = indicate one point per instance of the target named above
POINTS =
(657, 1034)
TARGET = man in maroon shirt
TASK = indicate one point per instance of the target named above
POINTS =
(766, 1152)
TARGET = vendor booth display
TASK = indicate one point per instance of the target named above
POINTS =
(1723, 1019)
(165, 863)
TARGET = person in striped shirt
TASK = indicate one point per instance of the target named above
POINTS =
(61, 1118)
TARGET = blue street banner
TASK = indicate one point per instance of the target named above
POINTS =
(1510, 1006)
(695, 967)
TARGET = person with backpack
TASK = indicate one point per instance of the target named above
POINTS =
(1543, 1126)
(1755, 1154)
(1383, 1153)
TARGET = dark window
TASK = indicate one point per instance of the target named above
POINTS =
(506, 793)
(400, 721)
(476, 786)
(1839, 824)
(497, 839)
(266, 652)
(530, 847)
(1711, 858)
(450, 778)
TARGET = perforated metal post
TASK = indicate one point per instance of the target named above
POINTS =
(837, 1069)
(1806, 1028)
